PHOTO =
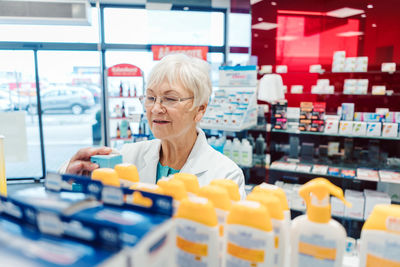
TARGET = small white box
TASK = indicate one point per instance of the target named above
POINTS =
(296, 89)
(390, 129)
(339, 54)
(359, 128)
(388, 67)
(281, 69)
(316, 68)
(323, 82)
(378, 89)
(373, 198)
(266, 69)
(346, 127)
(337, 207)
(331, 126)
(374, 129)
(356, 198)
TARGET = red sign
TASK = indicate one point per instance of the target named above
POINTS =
(160, 51)
(124, 70)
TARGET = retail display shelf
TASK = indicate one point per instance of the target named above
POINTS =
(347, 95)
(121, 139)
(332, 134)
(227, 128)
(292, 168)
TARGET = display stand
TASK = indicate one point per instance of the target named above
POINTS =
(234, 106)
(125, 88)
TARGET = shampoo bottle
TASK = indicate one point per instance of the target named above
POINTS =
(196, 233)
(246, 155)
(230, 186)
(190, 181)
(380, 237)
(228, 149)
(318, 240)
(236, 149)
(174, 188)
(249, 238)
(127, 173)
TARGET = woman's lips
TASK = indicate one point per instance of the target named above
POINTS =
(160, 121)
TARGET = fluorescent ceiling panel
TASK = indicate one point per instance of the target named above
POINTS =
(159, 6)
(344, 12)
(252, 2)
(264, 26)
(287, 38)
(349, 34)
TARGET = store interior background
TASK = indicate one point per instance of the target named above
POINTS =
(281, 32)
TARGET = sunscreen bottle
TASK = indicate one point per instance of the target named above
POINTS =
(222, 203)
(270, 189)
(174, 188)
(196, 233)
(380, 237)
(249, 236)
(190, 181)
(318, 240)
(230, 186)
(107, 176)
(274, 207)
(127, 173)
(152, 188)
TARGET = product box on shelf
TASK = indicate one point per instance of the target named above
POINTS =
(367, 174)
(306, 109)
(390, 129)
(134, 221)
(318, 112)
(348, 173)
(331, 126)
(317, 126)
(305, 125)
(373, 198)
(347, 112)
(359, 128)
(389, 176)
(374, 128)
(22, 246)
(337, 207)
(356, 198)
(320, 169)
(346, 127)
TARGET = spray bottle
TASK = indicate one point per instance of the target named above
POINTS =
(318, 240)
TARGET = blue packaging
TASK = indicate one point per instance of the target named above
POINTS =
(106, 161)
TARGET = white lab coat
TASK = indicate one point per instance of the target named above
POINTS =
(203, 161)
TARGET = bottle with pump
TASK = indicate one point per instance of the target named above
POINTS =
(380, 237)
(272, 203)
(318, 240)
(228, 149)
(196, 233)
(249, 236)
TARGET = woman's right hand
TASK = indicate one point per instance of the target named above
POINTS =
(80, 162)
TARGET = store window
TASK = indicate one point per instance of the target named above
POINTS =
(140, 26)
(70, 96)
(239, 30)
(21, 129)
(52, 33)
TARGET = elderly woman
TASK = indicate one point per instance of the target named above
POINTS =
(178, 91)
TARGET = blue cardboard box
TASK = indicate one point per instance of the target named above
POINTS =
(106, 161)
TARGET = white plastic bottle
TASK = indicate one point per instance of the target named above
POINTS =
(272, 203)
(269, 189)
(246, 155)
(249, 236)
(196, 233)
(380, 237)
(228, 149)
(236, 150)
(318, 240)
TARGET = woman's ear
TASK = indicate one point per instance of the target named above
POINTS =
(200, 112)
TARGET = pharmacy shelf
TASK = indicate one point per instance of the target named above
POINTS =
(227, 128)
(332, 134)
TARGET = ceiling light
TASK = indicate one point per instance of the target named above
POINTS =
(286, 38)
(260, 19)
(186, 8)
(374, 25)
(349, 34)
(252, 2)
(344, 12)
(264, 26)
(370, 6)
(273, 3)
(158, 6)
(302, 13)
(363, 15)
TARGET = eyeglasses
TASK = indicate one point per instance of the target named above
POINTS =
(166, 101)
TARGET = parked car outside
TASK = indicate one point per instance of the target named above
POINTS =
(75, 99)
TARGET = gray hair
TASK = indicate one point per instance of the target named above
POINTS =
(191, 73)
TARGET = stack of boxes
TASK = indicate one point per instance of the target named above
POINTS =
(341, 63)
(306, 109)
(312, 116)
(278, 117)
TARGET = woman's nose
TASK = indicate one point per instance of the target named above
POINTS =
(157, 108)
